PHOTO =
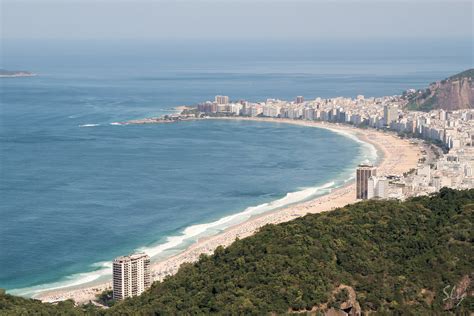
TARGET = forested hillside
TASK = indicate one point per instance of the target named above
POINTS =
(383, 256)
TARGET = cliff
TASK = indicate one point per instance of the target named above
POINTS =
(453, 93)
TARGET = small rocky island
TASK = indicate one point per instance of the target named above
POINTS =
(15, 73)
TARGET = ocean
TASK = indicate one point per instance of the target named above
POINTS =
(76, 191)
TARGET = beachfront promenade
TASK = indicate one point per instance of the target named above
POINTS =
(397, 156)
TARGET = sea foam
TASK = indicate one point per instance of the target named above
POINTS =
(101, 269)
(199, 230)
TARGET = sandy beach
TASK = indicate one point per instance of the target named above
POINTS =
(396, 157)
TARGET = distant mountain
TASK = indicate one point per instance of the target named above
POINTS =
(15, 73)
(453, 93)
(383, 257)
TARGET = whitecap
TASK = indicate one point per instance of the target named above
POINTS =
(89, 125)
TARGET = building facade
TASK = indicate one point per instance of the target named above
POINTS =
(131, 275)
(221, 99)
(364, 172)
(377, 187)
(390, 114)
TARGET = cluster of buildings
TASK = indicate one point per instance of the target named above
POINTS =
(369, 185)
(453, 131)
(447, 140)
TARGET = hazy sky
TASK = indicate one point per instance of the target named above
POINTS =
(234, 19)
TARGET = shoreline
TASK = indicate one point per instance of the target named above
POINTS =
(395, 156)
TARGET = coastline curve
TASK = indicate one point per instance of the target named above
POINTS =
(250, 220)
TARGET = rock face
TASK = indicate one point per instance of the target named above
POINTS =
(453, 296)
(453, 93)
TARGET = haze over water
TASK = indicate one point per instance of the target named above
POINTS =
(76, 191)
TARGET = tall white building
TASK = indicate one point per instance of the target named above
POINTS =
(221, 99)
(309, 114)
(271, 110)
(377, 187)
(390, 114)
(131, 275)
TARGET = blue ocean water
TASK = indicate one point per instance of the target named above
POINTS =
(76, 191)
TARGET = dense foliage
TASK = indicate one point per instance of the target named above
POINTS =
(14, 305)
(465, 74)
(398, 257)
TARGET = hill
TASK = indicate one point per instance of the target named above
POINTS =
(453, 93)
(384, 256)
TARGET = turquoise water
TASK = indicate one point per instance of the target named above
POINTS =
(76, 191)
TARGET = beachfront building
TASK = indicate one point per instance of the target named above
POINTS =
(299, 99)
(451, 131)
(221, 99)
(131, 275)
(390, 114)
(363, 174)
(207, 107)
(377, 187)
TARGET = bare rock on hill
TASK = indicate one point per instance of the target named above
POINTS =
(453, 93)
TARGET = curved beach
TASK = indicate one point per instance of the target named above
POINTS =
(396, 156)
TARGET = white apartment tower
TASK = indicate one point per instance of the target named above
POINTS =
(377, 187)
(131, 275)
(390, 114)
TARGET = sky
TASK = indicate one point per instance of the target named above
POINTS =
(235, 19)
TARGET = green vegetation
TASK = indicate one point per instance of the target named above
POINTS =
(106, 298)
(465, 74)
(341, 297)
(429, 104)
(426, 101)
(400, 258)
(13, 305)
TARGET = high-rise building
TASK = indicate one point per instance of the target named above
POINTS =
(309, 114)
(377, 187)
(382, 188)
(221, 99)
(390, 114)
(364, 172)
(299, 99)
(131, 275)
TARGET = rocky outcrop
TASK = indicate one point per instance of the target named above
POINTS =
(456, 294)
(343, 302)
(453, 93)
